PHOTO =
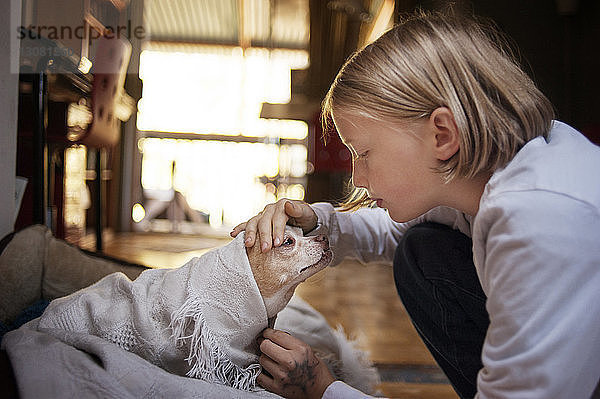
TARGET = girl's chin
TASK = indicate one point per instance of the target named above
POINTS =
(400, 217)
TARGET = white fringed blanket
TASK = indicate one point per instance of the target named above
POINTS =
(200, 320)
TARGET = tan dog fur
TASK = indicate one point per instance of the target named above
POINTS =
(279, 271)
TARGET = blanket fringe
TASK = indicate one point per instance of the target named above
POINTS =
(207, 359)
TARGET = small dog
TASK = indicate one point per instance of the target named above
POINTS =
(279, 271)
(202, 319)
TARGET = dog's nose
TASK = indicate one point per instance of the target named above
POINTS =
(322, 238)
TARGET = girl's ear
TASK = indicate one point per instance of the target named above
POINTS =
(447, 140)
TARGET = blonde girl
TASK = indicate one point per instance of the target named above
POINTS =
(488, 209)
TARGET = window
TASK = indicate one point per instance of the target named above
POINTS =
(201, 133)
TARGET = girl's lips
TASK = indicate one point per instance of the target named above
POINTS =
(377, 201)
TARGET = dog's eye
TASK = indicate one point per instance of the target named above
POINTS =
(288, 241)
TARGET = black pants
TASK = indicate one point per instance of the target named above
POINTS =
(437, 282)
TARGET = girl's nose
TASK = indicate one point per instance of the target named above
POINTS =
(358, 178)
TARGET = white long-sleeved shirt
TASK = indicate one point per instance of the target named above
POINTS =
(536, 248)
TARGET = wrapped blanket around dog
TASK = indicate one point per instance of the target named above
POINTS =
(64, 364)
(200, 320)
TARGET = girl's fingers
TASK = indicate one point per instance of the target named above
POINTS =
(269, 225)
(265, 228)
(293, 209)
(272, 368)
(301, 215)
(282, 357)
(279, 221)
(274, 351)
(250, 227)
(238, 229)
(266, 382)
(295, 372)
(282, 339)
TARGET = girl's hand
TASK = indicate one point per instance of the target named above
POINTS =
(295, 372)
(270, 223)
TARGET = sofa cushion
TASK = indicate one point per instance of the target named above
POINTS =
(68, 269)
(21, 267)
(35, 265)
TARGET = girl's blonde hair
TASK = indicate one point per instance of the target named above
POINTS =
(432, 60)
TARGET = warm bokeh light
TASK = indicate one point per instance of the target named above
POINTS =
(219, 91)
(137, 213)
(223, 179)
(76, 195)
(84, 65)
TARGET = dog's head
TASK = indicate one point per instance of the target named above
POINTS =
(279, 271)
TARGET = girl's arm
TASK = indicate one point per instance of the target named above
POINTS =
(539, 262)
(370, 235)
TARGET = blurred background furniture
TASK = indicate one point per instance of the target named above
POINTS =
(61, 103)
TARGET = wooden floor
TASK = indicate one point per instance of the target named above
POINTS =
(362, 299)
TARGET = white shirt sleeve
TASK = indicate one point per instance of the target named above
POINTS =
(340, 390)
(370, 235)
(541, 273)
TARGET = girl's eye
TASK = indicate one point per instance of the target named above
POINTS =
(288, 241)
(362, 155)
